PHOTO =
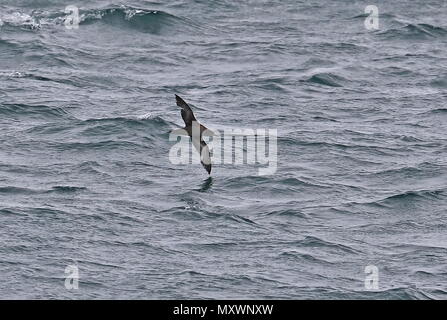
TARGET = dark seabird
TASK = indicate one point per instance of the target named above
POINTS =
(197, 141)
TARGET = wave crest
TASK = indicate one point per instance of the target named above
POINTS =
(326, 79)
(415, 31)
(143, 20)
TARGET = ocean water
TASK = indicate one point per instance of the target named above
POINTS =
(86, 181)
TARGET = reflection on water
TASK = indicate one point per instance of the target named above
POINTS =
(206, 185)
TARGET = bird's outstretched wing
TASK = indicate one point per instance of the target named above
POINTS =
(187, 114)
(204, 152)
(205, 157)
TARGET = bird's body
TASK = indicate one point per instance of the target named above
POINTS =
(195, 130)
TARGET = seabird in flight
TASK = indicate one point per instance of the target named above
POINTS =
(190, 123)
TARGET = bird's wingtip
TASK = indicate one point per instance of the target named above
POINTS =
(180, 102)
(178, 98)
(207, 167)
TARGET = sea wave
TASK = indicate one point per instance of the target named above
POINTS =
(327, 79)
(151, 21)
(415, 31)
(143, 20)
(20, 110)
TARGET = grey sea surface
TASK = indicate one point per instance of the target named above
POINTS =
(86, 181)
